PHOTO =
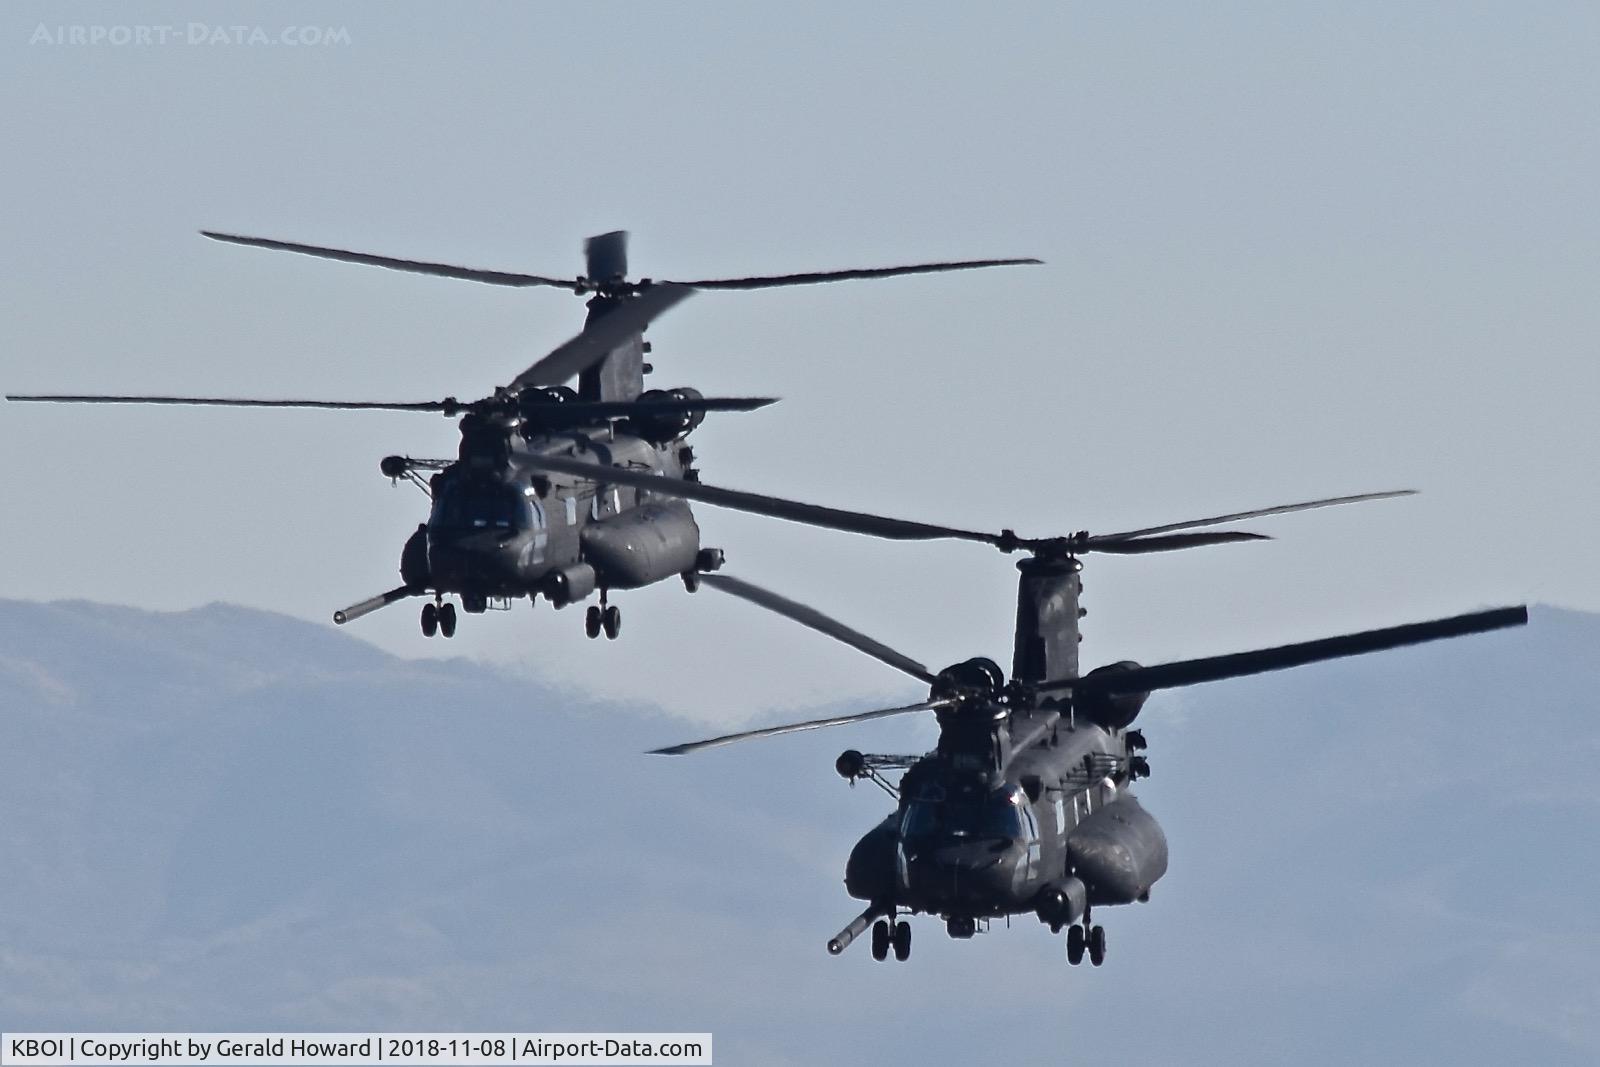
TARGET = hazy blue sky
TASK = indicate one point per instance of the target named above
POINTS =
(1292, 250)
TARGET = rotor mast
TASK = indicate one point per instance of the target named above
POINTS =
(1047, 618)
(619, 375)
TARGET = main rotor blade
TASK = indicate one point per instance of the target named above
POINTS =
(766, 281)
(606, 253)
(576, 411)
(1280, 509)
(413, 266)
(1238, 664)
(608, 409)
(816, 620)
(797, 727)
(771, 506)
(602, 335)
(237, 402)
(1170, 542)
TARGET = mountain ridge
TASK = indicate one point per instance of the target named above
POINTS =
(227, 819)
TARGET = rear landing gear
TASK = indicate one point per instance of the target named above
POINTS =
(430, 620)
(1082, 938)
(447, 620)
(880, 940)
(607, 617)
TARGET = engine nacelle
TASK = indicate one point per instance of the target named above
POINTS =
(1115, 712)
(569, 584)
(539, 409)
(979, 673)
(668, 425)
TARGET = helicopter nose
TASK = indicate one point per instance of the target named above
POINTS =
(472, 557)
(974, 874)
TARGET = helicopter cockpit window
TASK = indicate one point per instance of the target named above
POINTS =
(999, 814)
(481, 506)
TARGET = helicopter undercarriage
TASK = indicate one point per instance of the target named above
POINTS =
(603, 617)
(1082, 937)
(893, 934)
(439, 616)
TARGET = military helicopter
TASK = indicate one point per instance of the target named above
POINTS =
(1024, 807)
(497, 532)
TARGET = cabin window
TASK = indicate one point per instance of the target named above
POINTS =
(1035, 849)
(1002, 814)
(476, 505)
(607, 501)
(1028, 821)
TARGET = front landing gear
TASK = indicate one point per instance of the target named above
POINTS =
(886, 936)
(438, 618)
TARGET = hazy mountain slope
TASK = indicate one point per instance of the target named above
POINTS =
(230, 820)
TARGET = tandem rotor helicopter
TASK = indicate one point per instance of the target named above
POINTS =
(501, 527)
(1024, 806)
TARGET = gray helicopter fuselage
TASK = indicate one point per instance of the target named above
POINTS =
(1061, 814)
(498, 532)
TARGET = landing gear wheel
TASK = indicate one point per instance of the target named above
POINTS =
(1097, 945)
(430, 620)
(691, 580)
(447, 620)
(611, 619)
(902, 941)
(591, 622)
(1075, 944)
(880, 940)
